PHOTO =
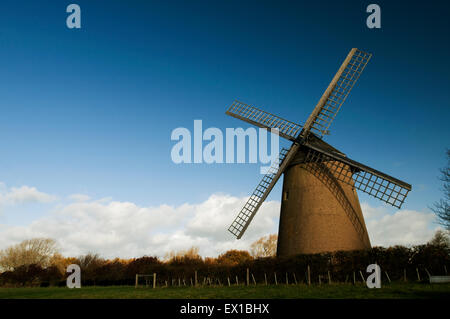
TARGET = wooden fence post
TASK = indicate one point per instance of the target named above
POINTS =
(309, 276)
(295, 279)
(320, 281)
(276, 282)
(428, 273)
(254, 281)
(362, 277)
(154, 280)
(387, 276)
(287, 280)
(195, 278)
(265, 278)
(137, 278)
(418, 276)
(248, 277)
(329, 278)
(404, 274)
(229, 284)
(237, 281)
(354, 278)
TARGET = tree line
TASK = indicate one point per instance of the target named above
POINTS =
(37, 262)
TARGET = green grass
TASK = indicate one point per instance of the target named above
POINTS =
(394, 290)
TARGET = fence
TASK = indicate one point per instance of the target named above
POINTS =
(307, 277)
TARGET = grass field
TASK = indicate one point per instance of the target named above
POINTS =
(395, 290)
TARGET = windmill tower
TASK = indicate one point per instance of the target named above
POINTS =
(320, 209)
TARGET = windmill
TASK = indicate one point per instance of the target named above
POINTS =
(320, 209)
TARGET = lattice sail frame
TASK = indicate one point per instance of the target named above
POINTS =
(245, 216)
(379, 185)
(255, 116)
(338, 90)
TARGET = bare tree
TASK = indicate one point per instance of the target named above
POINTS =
(234, 257)
(89, 260)
(38, 251)
(191, 253)
(265, 246)
(442, 207)
(441, 239)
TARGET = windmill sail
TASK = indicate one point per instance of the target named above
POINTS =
(362, 177)
(255, 116)
(336, 93)
(245, 216)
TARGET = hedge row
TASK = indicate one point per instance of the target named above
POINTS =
(341, 265)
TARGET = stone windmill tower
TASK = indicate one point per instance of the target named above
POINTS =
(320, 209)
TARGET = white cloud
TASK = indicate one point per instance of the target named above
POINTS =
(404, 227)
(79, 197)
(126, 230)
(23, 194)
(217, 213)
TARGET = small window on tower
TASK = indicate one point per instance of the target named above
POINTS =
(286, 195)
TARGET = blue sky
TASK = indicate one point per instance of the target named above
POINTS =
(91, 111)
